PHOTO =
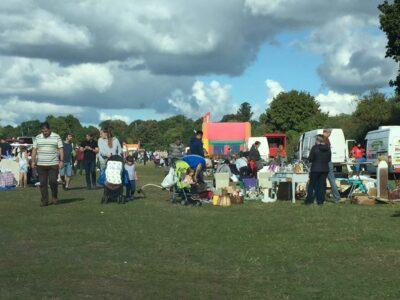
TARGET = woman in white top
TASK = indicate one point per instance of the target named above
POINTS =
(108, 146)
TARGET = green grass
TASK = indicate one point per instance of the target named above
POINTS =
(153, 249)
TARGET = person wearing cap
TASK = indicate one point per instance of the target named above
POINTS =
(331, 176)
(196, 144)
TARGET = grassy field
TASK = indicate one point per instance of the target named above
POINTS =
(150, 248)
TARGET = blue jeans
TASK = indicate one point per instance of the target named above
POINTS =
(67, 170)
(357, 168)
(130, 189)
(332, 182)
(90, 172)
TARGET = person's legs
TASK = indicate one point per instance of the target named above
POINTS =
(361, 167)
(25, 179)
(128, 191)
(332, 182)
(321, 188)
(21, 178)
(80, 166)
(133, 188)
(93, 170)
(43, 179)
(53, 175)
(62, 175)
(87, 165)
(68, 174)
(311, 188)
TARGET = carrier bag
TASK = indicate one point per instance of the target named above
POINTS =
(102, 178)
(169, 179)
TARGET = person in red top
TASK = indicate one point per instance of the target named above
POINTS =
(358, 153)
(79, 160)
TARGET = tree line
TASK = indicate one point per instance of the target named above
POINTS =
(292, 112)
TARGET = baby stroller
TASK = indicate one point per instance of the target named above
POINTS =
(181, 191)
(114, 179)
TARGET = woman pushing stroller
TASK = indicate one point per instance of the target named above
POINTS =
(108, 146)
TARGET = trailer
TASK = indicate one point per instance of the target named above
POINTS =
(274, 141)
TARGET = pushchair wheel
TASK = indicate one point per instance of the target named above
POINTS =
(121, 200)
(183, 202)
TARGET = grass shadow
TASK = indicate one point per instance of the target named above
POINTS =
(396, 214)
(77, 188)
(70, 200)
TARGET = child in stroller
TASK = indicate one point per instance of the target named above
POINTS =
(114, 179)
(184, 186)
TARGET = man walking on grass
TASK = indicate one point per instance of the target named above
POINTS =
(48, 157)
(66, 171)
(90, 150)
(331, 176)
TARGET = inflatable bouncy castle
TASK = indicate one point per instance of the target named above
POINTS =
(222, 138)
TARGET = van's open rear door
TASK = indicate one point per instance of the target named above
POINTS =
(349, 145)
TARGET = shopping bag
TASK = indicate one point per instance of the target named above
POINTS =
(102, 178)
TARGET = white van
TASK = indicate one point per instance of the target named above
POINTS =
(383, 141)
(339, 146)
(263, 149)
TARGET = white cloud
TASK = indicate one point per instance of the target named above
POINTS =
(42, 77)
(25, 23)
(335, 103)
(105, 117)
(15, 110)
(214, 98)
(354, 55)
(274, 88)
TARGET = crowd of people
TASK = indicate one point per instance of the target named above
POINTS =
(54, 159)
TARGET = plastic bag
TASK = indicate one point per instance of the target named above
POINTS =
(102, 178)
(169, 180)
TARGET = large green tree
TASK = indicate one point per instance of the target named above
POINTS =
(244, 113)
(30, 128)
(373, 110)
(390, 24)
(293, 112)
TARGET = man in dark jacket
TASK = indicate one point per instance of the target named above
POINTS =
(320, 156)
(196, 144)
(254, 154)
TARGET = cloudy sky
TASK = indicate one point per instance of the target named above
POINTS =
(150, 59)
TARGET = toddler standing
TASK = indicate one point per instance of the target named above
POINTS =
(131, 170)
(23, 162)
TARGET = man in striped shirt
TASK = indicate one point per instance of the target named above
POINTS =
(48, 156)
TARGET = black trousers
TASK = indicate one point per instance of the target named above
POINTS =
(317, 187)
(90, 172)
(48, 175)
